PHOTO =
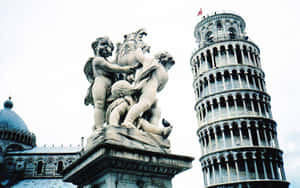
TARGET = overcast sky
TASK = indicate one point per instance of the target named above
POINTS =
(45, 44)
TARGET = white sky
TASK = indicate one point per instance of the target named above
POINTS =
(45, 44)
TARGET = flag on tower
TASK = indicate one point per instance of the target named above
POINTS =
(200, 12)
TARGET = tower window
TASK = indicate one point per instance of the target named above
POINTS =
(232, 33)
(60, 166)
(209, 36)
(219, 25)
(39, 167)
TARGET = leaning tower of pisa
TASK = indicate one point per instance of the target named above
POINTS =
(237, 133)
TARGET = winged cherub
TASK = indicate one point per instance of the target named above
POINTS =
(101, 73)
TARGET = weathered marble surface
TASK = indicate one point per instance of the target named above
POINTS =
(107, 164)
(131, 138)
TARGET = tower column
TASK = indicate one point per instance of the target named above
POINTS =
(258, 135)
(213, 171)
(272, 169)
(223, 81)
(208, 173)
(208, 86)
(241, 134)
(265, 134)
(205, 175)
(209, 140)
(231, 135)
(227, 107)
(255, 167)
(199, 62)
(228, 169)
(237, 168)
(223, 135)
(234, 55)
(216, 138)
(246, 166)
(282, 172)
(264, 167)
(201, 146)
(276, 140)
(220, 172)
(205, 143)
(250, 135)
(227, 55)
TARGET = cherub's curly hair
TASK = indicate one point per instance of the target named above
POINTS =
(100, 39)
(164, 58)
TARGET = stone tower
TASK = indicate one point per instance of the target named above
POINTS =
(237, 133)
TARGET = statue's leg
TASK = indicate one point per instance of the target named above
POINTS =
(150, 128)
(155, 114)
(146, 100)
(99, 95)
(135, 111)
(115, 115)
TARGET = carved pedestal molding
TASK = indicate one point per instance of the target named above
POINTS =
(110, 165)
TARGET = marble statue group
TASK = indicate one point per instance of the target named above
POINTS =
(124, 89)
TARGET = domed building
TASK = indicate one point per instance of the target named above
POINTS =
(14, 134)
(22, 163)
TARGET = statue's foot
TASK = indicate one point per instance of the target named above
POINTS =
(167, 131)
(98, 130)
(128, 125)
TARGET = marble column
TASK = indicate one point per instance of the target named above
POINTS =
(237, 169)
(241, 134)
(264, 167)
(223, 135)
(216, 138)
(255, 167)
(250, 135)
(231, 135)
(228, 171)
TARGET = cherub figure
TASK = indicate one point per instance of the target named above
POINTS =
(150, 80)
(101, 74)
(123, 97)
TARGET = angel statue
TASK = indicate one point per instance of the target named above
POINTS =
(101, 73)
(150, 80)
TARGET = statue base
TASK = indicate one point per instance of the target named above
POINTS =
(109, 163)
(129, 137)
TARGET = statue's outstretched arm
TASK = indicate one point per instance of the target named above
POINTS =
(107, 66)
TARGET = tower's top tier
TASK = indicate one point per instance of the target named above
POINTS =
(219, 27)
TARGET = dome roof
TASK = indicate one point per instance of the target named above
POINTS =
(11, 120)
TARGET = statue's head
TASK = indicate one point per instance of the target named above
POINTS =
(121, 88)
(103, 47)
(165, 58)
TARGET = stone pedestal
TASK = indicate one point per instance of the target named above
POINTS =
(107, 163)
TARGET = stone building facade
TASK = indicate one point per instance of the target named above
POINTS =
(22, 163)
(237, 134)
